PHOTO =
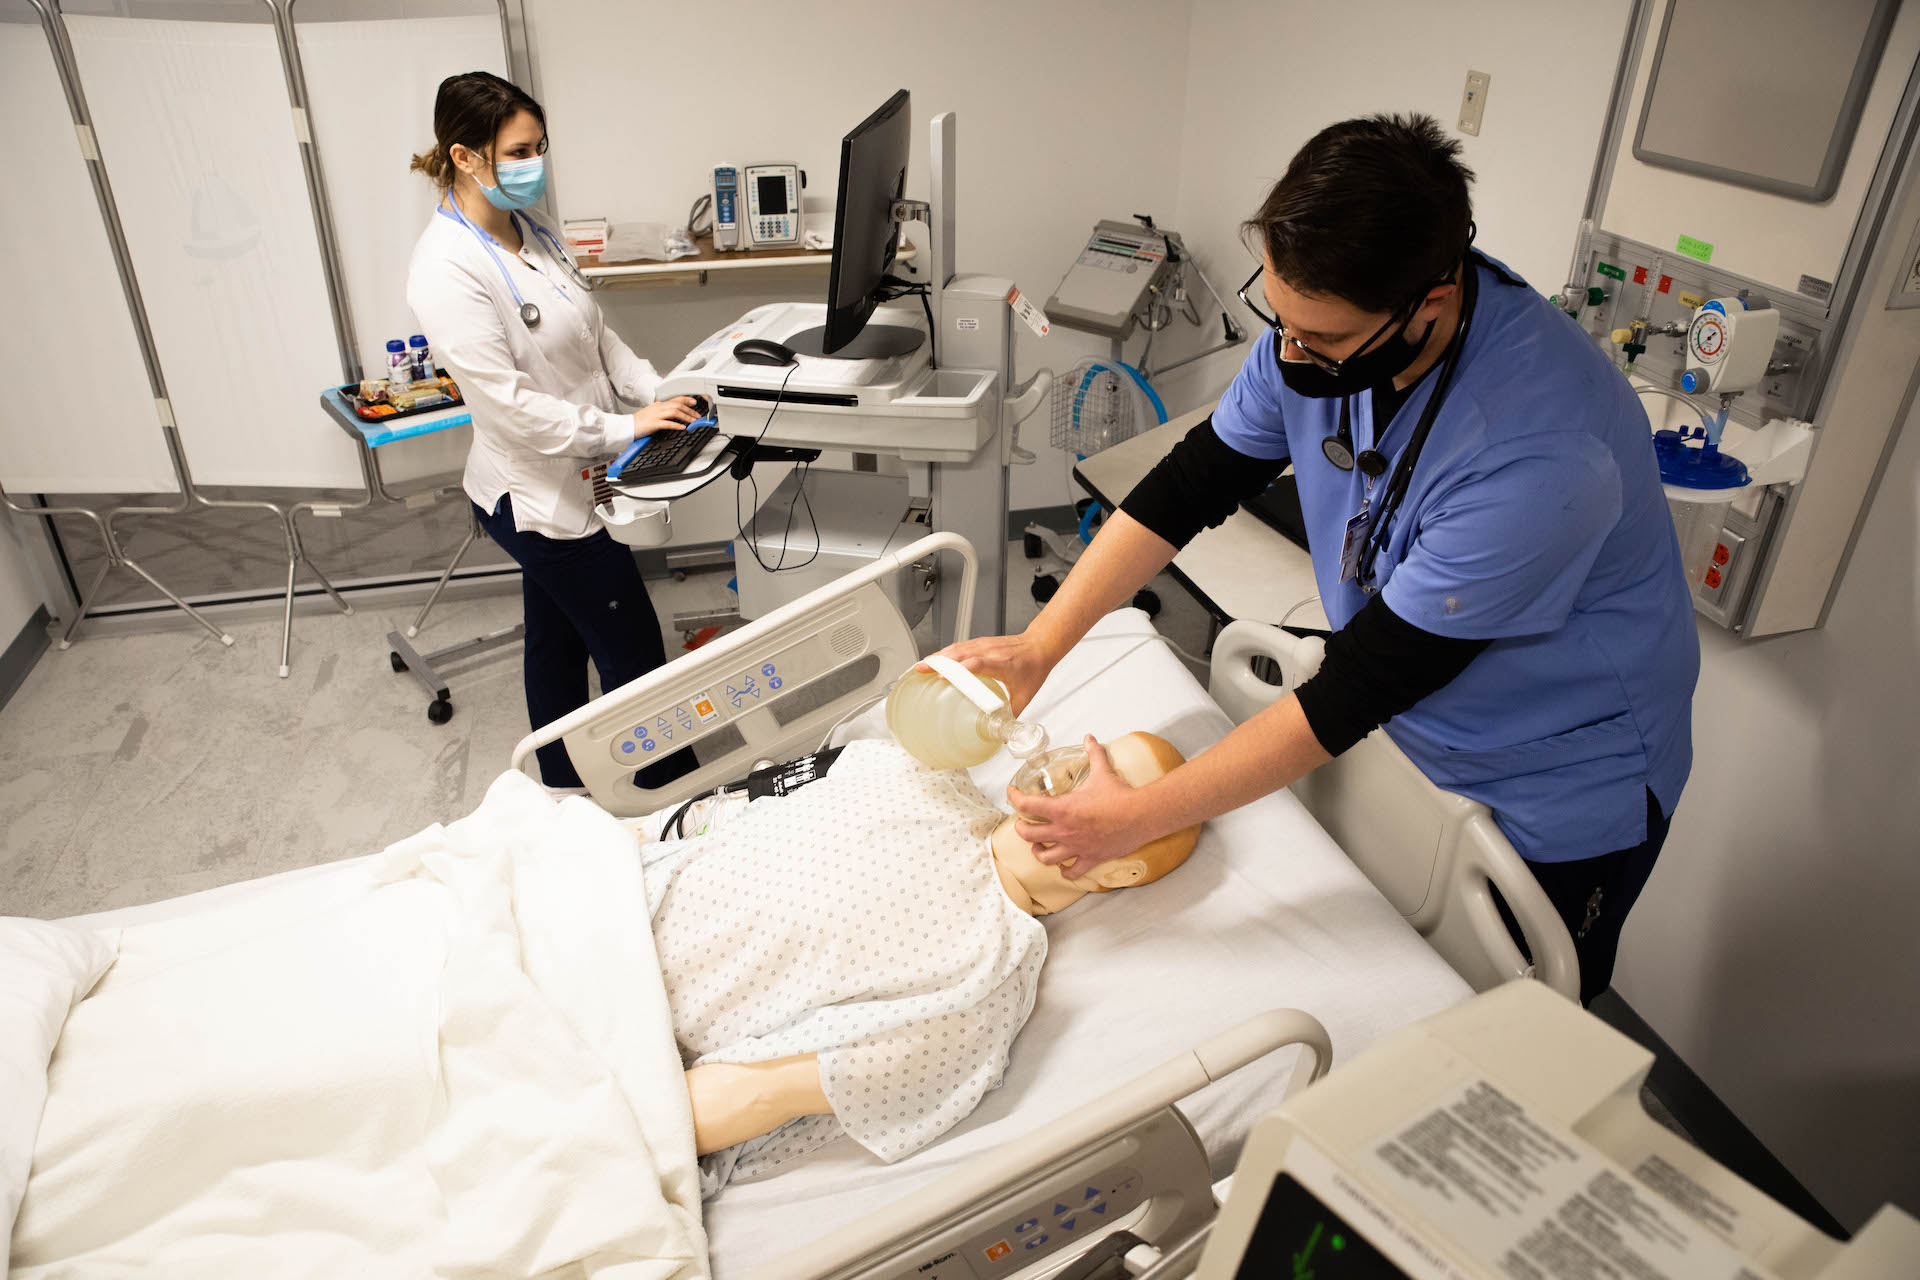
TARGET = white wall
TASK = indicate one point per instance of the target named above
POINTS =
(1068, 113)
(1776, 947)
(1263, 78)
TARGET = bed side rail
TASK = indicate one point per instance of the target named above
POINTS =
(893, 1240)
(1435, 855)
(767, 691)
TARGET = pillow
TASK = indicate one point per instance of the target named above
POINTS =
(45, 969)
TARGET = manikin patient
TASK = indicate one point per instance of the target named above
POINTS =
(857, 955)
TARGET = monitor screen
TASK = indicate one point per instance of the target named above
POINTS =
(1299, 1235)
(773, 194)
(873, 175)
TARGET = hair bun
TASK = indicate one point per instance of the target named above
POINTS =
(433, 163)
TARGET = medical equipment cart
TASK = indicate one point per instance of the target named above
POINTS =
(369, 437)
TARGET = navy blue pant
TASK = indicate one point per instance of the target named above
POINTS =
(1593, 896)
(583, 598)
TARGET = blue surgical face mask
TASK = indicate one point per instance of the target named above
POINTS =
(521, 183)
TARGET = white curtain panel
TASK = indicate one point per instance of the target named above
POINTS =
(196, 129)
(370, 89)
(78, 415)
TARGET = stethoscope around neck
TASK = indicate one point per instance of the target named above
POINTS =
(529, 314)
(1372, 463)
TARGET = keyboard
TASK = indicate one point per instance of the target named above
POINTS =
(664, 456)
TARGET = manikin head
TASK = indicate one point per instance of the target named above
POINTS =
(1138, 758)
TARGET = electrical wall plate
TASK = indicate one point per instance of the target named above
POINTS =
(1473, 102)
(1906, 285)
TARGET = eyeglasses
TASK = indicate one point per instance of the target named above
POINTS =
(1323, 361)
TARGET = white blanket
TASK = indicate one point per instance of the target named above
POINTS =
(453, 1059)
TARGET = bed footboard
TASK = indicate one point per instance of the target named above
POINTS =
(1435, 855)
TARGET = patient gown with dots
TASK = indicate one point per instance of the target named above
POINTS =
(859, 918)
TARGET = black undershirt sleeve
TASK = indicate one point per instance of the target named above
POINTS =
(1376, 667)
(1200, 482)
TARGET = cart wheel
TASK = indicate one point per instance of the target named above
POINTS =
(439, 711)
(1044, 585)
(679, 575)
(1032, 545)
(397, 662)
(1147, 602)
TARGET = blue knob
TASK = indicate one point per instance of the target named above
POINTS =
(1693, 380)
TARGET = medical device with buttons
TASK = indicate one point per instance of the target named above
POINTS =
(1505, 1137)
(726, 206)
(773, 205)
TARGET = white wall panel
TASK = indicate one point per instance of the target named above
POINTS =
(78, 416)
(195, 126)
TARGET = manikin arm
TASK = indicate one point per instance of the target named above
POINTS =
(733, 1102)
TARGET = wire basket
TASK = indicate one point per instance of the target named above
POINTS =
(1095, 406)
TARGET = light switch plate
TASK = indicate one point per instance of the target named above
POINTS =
(1473, 101)
(1906, 282)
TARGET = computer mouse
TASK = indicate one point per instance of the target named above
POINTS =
(762, 351)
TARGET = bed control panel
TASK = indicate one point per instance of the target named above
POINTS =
(1079, 1210)
(1151, 1178)
(721, 700)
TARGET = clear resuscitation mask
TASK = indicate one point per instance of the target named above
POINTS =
(1051, 773)
(950, 718)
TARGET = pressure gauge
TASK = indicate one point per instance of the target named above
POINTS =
(1707, 337)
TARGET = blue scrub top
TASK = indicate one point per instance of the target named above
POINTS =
(1534, 519)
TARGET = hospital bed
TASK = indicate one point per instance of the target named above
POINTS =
(1183, 991)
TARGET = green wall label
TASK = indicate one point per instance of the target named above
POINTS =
(1695, 248)
(1608, 269)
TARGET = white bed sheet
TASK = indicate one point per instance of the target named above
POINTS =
(1268, 913)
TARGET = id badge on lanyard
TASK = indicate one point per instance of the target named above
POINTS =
(1354, 541)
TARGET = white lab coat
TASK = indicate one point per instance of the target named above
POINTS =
(543, 400)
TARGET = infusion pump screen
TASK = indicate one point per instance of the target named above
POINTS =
(773, 195)
(1299, 1236)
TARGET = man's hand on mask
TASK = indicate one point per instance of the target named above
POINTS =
(1099, 820)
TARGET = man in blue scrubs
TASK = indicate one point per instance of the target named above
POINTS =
(1487, 530)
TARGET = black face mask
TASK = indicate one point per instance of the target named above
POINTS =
(1356, 374)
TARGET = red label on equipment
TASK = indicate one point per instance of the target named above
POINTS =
(1666, 283)
(1639, 275)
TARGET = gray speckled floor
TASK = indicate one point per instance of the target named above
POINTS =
(140, 767)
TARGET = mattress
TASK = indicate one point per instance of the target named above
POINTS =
(1268, 913)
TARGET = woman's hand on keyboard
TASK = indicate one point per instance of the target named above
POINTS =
(672, 414)
(1019, 662)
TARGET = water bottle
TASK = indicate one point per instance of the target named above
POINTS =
(422, 358)
(949, 718)
(399, 365)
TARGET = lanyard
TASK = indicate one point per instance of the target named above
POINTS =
(529, 313)
(1397, 485)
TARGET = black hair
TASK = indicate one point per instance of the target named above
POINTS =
(469, 110)
(1373, 211)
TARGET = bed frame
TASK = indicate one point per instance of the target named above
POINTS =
(1435, 855)
(778, 686)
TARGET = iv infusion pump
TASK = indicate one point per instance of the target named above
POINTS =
(773, 204)
(726, 206)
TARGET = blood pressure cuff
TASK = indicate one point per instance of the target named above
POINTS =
(1377, 666)
(774, 780)
(1200, 482)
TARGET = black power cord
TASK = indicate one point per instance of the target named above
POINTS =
(743, 475)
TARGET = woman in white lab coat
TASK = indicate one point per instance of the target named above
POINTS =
(511, 319)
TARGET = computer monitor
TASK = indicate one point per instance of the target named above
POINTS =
(873, 175)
